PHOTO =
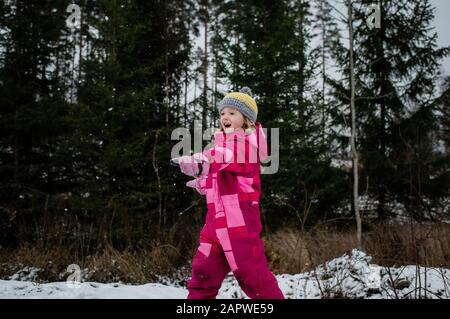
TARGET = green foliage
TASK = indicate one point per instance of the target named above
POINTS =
(397, 70)
(85, 134)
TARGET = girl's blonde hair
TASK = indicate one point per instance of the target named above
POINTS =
(248, 126)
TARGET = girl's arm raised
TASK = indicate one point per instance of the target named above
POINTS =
(234, 155)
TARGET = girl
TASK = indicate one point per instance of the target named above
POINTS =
(229, 175)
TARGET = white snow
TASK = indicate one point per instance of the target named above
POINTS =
(87, 290)
(349, 276)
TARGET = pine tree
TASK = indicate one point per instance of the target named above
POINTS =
(271, 53)
(129, 103)
(328, 33)
(445, 115)
(34, 114)
(396, 71)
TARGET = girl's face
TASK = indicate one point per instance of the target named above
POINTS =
(231, 119)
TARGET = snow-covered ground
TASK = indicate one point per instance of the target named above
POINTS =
(349, 276)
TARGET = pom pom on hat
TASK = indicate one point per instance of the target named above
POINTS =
(241, 101)
(246, 90)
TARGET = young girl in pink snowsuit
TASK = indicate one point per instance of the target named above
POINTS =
(229, 175)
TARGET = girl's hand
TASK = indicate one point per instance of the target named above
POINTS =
(188, 165)
(195, 165)
(198, 184)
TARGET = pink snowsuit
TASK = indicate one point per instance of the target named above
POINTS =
(230, 238)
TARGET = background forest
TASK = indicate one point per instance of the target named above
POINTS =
(88, 106)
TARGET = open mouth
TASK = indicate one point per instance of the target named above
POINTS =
(227, 125)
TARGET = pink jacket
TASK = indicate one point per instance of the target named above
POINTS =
(231, 169)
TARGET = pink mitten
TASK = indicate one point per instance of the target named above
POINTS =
(188, 165)
(204, 164)
(198, 184)
(195, 165)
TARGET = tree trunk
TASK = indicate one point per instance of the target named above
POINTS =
(301, 62)
(353, 136)
(80, 56)
(213, 86)
(382, 214)
(323, 71)
(185, 97)
(205, 79)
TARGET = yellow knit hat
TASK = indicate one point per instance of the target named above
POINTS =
(242, 101)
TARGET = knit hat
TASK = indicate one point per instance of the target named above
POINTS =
(241, 101)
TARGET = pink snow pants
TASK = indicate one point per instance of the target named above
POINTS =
(238, 249)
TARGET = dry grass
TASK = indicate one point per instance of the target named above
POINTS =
(288, 251)
(60, 242)
(291, 251)
(142, 265)
(426, 245)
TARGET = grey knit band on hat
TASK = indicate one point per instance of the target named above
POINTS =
(238, 105)
(243, 102)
